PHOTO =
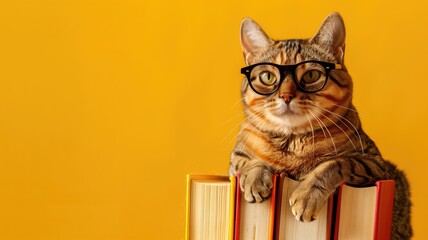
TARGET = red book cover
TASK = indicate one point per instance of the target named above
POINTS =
(237, 207)
(384, 206)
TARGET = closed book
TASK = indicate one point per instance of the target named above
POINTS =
(255, 220)
(210, 207)
(365, 212)
(289, 228)
(216, 209)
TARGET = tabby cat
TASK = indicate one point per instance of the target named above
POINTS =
(297, 97)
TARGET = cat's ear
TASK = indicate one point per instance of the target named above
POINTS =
(332, 35)
(254, 40)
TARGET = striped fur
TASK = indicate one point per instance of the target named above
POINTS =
(317, 138)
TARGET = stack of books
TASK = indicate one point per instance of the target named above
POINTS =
(216, 209)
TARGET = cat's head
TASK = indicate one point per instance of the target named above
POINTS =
(289, 94)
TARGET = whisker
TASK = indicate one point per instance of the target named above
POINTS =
(340, 129)
(231, 119)
(240, 100)
(250, 119)
(317, 119)
(247, 137)
(356, 133)
(313, 134)
(347, 108)
(259, 130)
(234, 128)
(328, 131)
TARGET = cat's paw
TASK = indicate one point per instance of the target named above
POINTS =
(306, 202)
(256, 184)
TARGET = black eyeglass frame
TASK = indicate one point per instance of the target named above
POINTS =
(290, 68)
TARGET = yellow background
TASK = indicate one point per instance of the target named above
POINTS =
(105, 106)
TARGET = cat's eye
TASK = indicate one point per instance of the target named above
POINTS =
(267, 78)
(311, 76)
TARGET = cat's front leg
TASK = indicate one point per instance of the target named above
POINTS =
(256, 177)
(256, 183)
(313, 191)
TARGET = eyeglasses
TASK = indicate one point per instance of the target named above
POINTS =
(309, 76)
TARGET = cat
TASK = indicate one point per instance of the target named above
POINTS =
(297, 98)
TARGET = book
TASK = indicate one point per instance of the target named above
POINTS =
(216, 209)
(286, 225)
(255, 220)
(210, 207)
(365, 213)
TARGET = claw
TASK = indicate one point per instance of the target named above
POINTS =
(292, 202)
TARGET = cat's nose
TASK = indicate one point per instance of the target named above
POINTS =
(287, 96)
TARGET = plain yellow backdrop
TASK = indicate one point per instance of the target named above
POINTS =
(105, 106)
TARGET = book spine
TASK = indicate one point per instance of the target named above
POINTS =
(330, 217)
(279, 192)
(232, 206)
(187, 231)
(337, 209)
(237, 207)
(384, 206)
(273, 210)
